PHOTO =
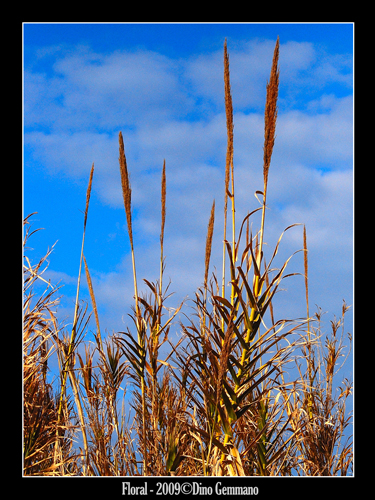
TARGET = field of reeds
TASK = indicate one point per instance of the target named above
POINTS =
(241, 393)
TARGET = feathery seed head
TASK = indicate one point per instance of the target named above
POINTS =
(126, 189)
(210, 232)
(88, 194)
(270, 114)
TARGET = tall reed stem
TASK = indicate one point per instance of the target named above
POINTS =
(126, 192)
(127, 195)
(270, 116)
(229, 169)
(229, 175)
(309, 358)
(69, 356)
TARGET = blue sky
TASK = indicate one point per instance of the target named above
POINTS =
(162, 86)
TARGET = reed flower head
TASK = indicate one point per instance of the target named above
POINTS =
(88, 194)
(229, 116)
(126, 189)
(210, 232)
(270, 114)
(163, 198)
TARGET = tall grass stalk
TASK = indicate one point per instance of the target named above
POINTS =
(126, 192)
(270, 117)
(229, 168)
(127, 196)
(69, 357)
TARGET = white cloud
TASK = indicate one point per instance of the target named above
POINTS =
(104, 91)
(124, 89)
(324, 139)
(194, 150)
(174, 109)
(59, 277)
(303, 68)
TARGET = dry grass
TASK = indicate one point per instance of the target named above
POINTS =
(241, 394)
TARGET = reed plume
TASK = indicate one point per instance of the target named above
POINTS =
(210, 231)
(126, 188)
(127, 196)
(229, 119)
(270, 114)
(163, 199)
(229, 169)
(88, 194)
